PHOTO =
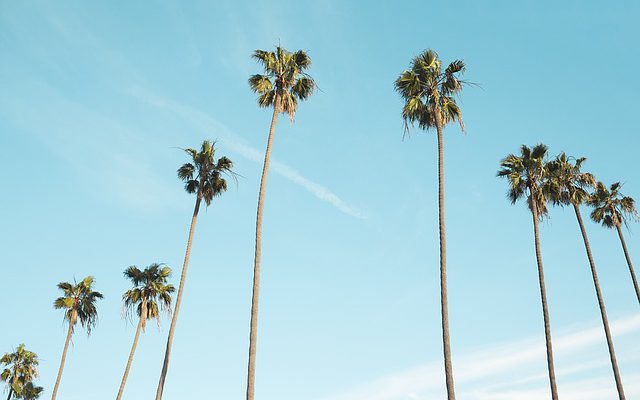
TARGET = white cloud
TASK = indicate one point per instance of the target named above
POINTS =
(236, 143)
(493, 373)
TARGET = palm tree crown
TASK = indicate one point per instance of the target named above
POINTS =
(567, 184)
(204, 175)
(429, 92)
(610, 207)
(284, 79)
(527, 175)
(20, 369)
(150, 294)
(79, 303)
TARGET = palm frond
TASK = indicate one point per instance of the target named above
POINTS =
(267, 99)
(301, 59)
(303, 88)
(267, 59)
(260, 84)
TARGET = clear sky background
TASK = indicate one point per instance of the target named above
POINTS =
(95, 98)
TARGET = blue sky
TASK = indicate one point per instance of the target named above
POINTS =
(96, 98)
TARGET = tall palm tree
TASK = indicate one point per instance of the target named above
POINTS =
(150, 294)
(204, 176)
(568, 185)
(283, 83)
(611, 208)
(428, 93)
(527, 175)
(20, 369)
(79, 304)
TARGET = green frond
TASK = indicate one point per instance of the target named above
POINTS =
(191, 186)
(427, 61)
(301, 59)
(63, 303)
(260, 84)
(267, 99)
(66, 287)
(455, 67)
(134, 274)
(303, 88)
(413, 110)
(408, 85)
(539, 151)
(267, 59)
(185, 172)
(224, 165)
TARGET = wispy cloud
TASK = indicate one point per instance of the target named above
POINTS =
(236, 143)
(491, 373)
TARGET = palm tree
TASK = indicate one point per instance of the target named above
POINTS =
(527, 176)
(568, 186)
(428, 94)
(282, 85)
(612, 209)
(79, 304)
(20, 369)
(150, 295)
(203, 176)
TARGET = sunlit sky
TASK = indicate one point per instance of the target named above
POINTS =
(96, 98)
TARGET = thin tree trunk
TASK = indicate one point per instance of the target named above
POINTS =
(444, 302)
(64, 356)
(253, 334)
(603, 311)
(10, 393)
(545, 307)
(626, 254)
(174, 320)
(133, 349)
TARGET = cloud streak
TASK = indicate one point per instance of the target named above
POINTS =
(492, 373)
(236, 143)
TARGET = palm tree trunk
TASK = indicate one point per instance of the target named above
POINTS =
(545, 307)
(626, 254)
(174, 320)
(253, 333)
(444, 302)
(133, 349)
(603, 311)
(64, 356)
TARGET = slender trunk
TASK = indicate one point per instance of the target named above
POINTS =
(174, 320)
(141, 322)
(64, 355)
(10, 393)
(603, 311)
(545, 307)
(626, 254)
(253, 333)
(444, 302)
